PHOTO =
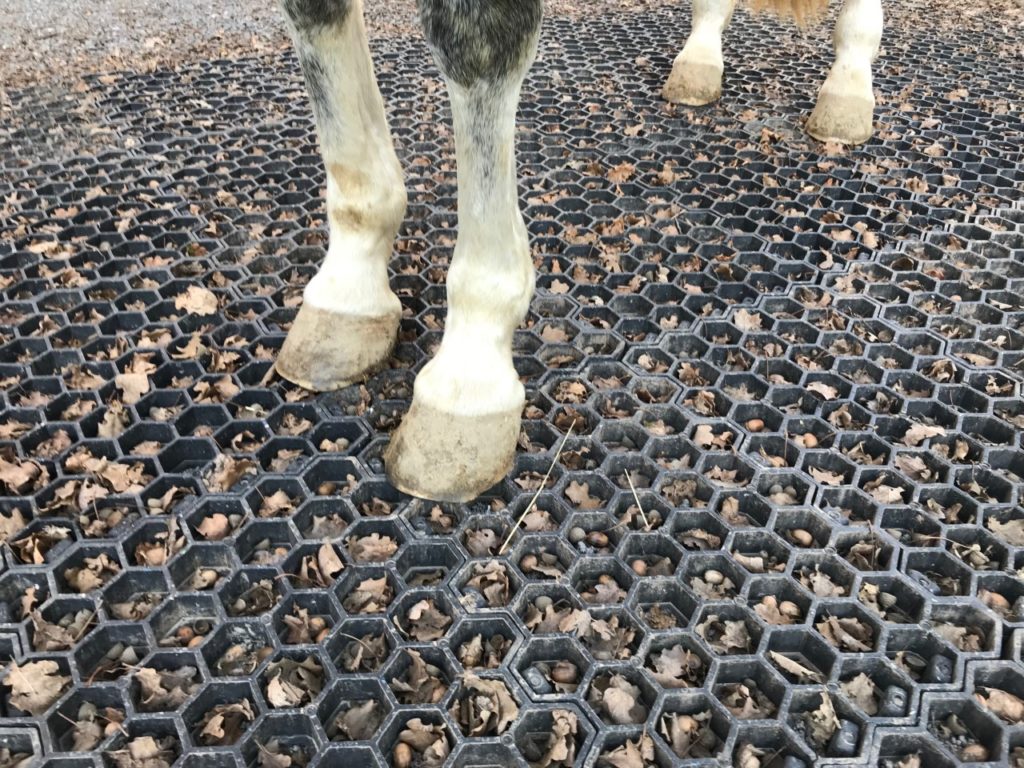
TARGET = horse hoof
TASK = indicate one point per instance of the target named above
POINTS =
(328, 350)
(444, 456)
(693, 83)
(846, 119)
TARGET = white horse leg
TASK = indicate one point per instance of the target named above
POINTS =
(349, 318)
(459, 436)
(846, 102)
(696, 77)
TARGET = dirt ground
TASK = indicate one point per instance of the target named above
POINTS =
(48, 41)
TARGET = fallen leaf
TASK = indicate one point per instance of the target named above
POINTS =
(197, 300)
(35, 685)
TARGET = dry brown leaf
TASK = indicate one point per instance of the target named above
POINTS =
(1002, 704)
(918, 433)
(35, 685)
(132, 385)
(197, 300)
(861, 691)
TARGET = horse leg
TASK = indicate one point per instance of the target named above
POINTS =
(459, 436)
(696, 77)
(846, 102)
(349, 317)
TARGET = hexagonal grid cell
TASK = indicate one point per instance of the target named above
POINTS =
(796, 448)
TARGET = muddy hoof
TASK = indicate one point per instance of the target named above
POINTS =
(327, 350)
(841, 118)
(693, 84)
(445, 456)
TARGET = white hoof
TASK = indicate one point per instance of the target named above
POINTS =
(459, 437)
(693, 83)
(328, 350)
(445, 456)
(843, 118)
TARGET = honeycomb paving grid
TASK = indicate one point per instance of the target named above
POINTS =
(803, 363)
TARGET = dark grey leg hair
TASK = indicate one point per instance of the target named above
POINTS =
(460, 435)
(349, 317)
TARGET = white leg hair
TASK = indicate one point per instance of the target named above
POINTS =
(696, 77)
(459, 436)
(349, 318)
(846, 102)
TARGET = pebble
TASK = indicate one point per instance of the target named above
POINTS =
(844, 740)
(714, 577)
(974, 753)
(639, 567)
(939, 670)
(402, 756)
(801, 537)
(894, 702)
(325, 489)
(755, 425)
(576, 535)
(597, 539)
(565, 672)
(536, 680)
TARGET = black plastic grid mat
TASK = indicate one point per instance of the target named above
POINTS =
(807, 365)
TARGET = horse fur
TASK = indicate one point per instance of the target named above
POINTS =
(802, 11)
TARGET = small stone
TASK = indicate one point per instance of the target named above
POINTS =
(939, 670)
(325, 489)
(639, 567)
(565, 672)
(536, 680)
(185, 634)
(755, 425)
(714, 577)
(577, 534)
(974, 753)
(844, 740)
(894, 702)
(801, 537)
(597, 539)
(401, 757)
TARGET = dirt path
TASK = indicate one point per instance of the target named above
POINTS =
(48, 41)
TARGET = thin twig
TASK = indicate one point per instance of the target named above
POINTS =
(636, 498)
(543, 485)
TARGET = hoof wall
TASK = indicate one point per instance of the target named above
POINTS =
(693, 84)
(327, 350)
(444, 456)
(843, 119)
